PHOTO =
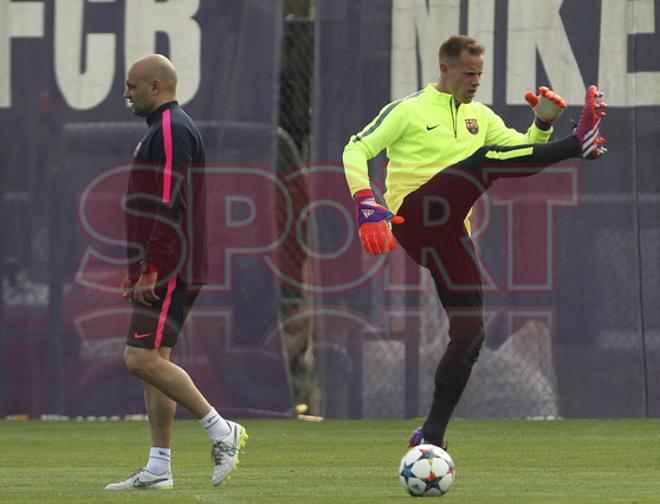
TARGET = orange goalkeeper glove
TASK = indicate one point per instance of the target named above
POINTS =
(547, 106)
(374, 223)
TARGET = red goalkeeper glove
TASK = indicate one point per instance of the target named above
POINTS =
(547, 106)
(374, 224)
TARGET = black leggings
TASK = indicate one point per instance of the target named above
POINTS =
(434, 236)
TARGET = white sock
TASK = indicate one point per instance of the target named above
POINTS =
(159, 460)
(216, 426)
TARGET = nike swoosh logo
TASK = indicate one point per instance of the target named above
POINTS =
(139, 484)
(232, 451)
(137, 335)
(429, 128)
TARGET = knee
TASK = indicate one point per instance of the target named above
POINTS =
(137, 361)
(466, 336)
(472, 352)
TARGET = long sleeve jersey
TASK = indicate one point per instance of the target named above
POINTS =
(165, 203)
(424, 133)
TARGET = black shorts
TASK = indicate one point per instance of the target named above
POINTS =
(159, 324)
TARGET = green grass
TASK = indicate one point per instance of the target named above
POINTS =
(498, 461)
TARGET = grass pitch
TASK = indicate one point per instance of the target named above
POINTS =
(339, 461)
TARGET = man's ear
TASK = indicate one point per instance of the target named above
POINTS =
(444, 66)
(156, 86)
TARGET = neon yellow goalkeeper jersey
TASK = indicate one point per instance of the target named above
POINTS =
(424, 133)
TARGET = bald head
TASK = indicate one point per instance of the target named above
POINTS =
(156, 67)
(151, 81)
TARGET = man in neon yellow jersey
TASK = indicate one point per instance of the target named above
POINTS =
(444, 150)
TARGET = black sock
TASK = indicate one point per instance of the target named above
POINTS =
(560, 150)
(451, 377)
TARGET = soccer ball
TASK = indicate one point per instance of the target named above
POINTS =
(426, 470)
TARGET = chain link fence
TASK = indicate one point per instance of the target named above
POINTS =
(547, 354)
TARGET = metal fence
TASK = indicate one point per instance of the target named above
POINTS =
(309, 319)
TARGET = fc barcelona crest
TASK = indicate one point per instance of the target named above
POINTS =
(472, 126)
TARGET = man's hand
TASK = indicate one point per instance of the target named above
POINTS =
(547, 106)
(127, 289)
(144, 292)
(374, 224)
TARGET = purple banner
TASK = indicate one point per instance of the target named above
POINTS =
(66, 138)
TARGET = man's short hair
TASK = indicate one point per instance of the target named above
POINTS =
(451, 49)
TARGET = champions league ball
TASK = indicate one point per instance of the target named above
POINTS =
(426, 471)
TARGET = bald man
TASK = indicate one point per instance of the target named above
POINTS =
(166, 241)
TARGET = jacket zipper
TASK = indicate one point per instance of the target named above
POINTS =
(454, 118)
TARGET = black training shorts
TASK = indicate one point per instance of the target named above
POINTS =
(159, 324)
